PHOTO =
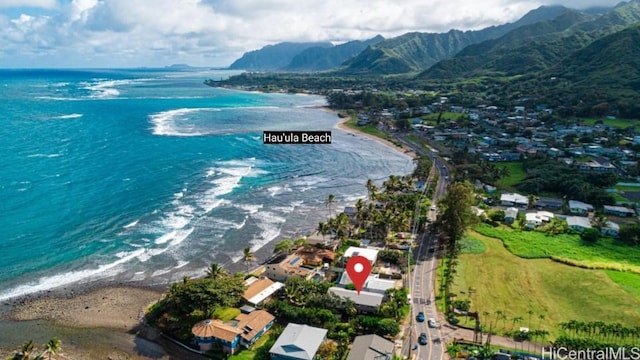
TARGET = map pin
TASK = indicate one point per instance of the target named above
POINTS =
(358, 269)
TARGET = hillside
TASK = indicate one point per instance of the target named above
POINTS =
(324, 58)
(535, 47)
(418, 51)
(273, 57)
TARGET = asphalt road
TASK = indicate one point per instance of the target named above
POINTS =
(422, 280)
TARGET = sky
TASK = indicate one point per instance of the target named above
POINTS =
(214, 33)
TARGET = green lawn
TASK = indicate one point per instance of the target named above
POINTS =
(470, 244)
(616, 123)
(606, 254)
(515, 286)
(516, 175)
(367, 129)
(226, 314)
(627, 187)
(259, 350)
(446, 116)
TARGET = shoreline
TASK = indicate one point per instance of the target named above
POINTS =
(342, 125)
(102, 319)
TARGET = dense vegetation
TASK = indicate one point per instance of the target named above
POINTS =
(192, 300)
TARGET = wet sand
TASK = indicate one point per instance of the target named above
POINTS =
(103, 321)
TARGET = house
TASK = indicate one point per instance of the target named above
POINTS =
(284, 266)
(596, 166)
(370, 254)
(578, 223)
(580, 208)
(298, 342)
(537, 218)
(365, 302)
(373, 283)
(618, 211)
(611, 229)
(510, 215)
(371, 347)
(244, 331)
(549, 203)
(260, 289)
(514, 200)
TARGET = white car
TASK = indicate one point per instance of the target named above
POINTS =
(432, 323)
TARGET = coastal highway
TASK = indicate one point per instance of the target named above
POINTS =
(423, 276)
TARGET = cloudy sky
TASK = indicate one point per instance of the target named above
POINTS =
(131, 33)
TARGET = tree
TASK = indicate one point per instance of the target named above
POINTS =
(371, 189)
(248, 257)
(331, 199)
(283, 246)
(52, 346)
(215, 271)
(590, 236)
(328, 350)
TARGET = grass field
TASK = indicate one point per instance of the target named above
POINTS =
(515, 286)
(367, 129)
(226, 314)
(616, 123)
(516, 175)
(606, 254)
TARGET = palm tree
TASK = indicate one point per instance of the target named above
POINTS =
(52, 346)
(215, 271)
(330, 201)
(371, 189)
(248, 257)
(283, 246)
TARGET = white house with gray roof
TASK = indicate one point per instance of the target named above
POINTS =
(578, 223)
(365, 302)
(298, 342)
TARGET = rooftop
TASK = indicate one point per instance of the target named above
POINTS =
(299, 341)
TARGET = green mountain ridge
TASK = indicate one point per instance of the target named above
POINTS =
(414, 52)
(324, 58)
(273, 57)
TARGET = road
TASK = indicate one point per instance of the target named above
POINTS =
(423, 277)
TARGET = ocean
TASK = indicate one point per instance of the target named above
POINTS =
(143, 175)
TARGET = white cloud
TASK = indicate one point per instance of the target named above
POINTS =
(47, 4)
(215, 32)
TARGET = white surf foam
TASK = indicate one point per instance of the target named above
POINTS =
(44, 155)
(131, 224)
(67, 116)
(250, 208)
(165, 123)
(71, 277)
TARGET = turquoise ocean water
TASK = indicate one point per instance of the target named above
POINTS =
(149, 175)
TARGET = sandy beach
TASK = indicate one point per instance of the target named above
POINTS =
(103, 321)
(342, 125)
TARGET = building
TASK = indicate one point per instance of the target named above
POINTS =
(304, 263)
(549, 203)
(514, 199)
(244, 331)
(510, 215)
(580, 208)
(598, 166)
(260, 289)
(298, 342)
(370, 254)
(365, 302)
(611, 229)
(578, 223)
(618, 211)
(371, 347)
(537, 218)
(373, 284)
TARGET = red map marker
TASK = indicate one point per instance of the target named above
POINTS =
(358, 269)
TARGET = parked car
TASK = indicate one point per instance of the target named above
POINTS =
(422, 339)
(420, 317)
(432, 323)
